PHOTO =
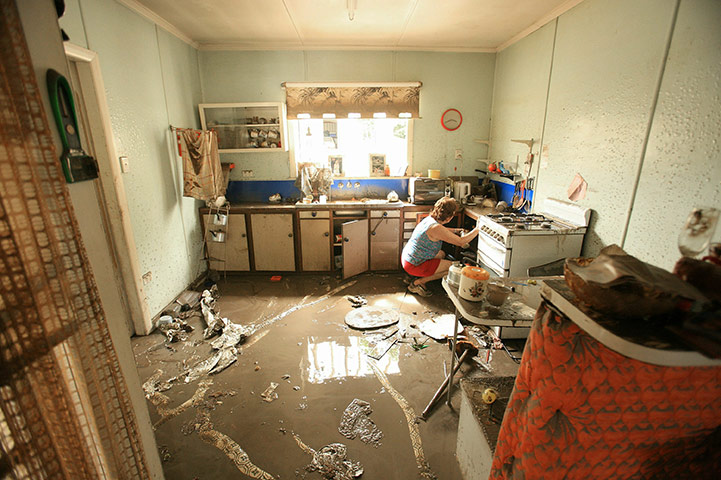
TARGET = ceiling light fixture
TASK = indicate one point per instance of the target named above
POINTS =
(351, 6)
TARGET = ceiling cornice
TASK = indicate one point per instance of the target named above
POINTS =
(552, 15)
(275, 47)
(159, 21)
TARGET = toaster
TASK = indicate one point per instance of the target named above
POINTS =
(426, 190)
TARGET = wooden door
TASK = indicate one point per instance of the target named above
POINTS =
(384, 243)
(355, 247)
(273, 245)
(315, 245)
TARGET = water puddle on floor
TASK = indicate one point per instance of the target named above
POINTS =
(331, 359)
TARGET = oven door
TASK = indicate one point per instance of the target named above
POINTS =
(493, 255)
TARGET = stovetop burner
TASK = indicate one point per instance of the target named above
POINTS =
(518, 218)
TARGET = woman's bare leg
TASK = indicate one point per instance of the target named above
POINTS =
(443, 267)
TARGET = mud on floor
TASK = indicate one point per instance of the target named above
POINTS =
(219, 426)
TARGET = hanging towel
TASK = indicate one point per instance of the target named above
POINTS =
(202, 174)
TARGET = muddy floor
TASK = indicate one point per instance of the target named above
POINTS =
(320, 367)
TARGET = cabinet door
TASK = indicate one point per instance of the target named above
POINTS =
(355, 247)
(231, 254)
(273, 246)
(315, 244)
(384, 243)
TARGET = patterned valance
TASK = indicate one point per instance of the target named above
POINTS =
(359, 100)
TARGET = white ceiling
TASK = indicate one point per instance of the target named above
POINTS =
(433, 25)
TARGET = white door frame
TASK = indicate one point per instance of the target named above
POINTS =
(111, 180)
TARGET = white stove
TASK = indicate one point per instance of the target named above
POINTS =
(510, 243)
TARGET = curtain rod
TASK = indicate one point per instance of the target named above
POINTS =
(350, 84)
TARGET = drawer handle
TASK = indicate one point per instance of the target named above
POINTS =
(242, 235)
(385, 214)
(326, 234)
(373, 233)
(313, 214)
(346, 239)
(290, 235)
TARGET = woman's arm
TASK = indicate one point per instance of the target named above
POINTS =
(439, 232)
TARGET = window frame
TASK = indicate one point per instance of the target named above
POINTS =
(293, 166)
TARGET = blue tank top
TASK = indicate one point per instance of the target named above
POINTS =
(421, 248)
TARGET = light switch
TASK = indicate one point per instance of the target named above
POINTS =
(124, 164)
(459, 154)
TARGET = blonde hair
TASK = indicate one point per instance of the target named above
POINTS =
(444, 209)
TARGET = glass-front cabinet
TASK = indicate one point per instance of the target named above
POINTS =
(246, 127)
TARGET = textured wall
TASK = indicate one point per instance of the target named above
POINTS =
(607, 60)
(682, 167)
(450, 80)
(602, 119)
(151, 82)
(519, 96)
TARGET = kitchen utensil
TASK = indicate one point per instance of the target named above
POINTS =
(472, 285)
(497, 294)
(697, 231)
(461, 190)
(454, 274)
(220, 219)
(217, 236)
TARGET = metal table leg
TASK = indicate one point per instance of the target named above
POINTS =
(453, 356)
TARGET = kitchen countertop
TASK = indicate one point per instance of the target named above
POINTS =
(292, 207)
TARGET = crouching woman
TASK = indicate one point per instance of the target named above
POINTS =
(422, 256)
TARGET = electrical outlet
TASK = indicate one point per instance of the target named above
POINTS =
(247, 173)
(458, 154)
(124, 164)
(147, 278)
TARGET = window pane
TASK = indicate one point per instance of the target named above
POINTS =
(354, 140)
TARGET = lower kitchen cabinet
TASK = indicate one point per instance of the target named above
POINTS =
(384, 240)
(355, 247)
(227, 243)
(315, 246)
(273, 243)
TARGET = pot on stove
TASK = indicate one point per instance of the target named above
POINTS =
(472, 286)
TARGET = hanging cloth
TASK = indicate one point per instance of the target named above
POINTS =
(202, 174)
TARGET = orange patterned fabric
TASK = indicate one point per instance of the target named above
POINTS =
(580, 410)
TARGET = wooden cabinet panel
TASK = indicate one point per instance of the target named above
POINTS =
(355, 247)
(384, 244)
(273, 245)
(315, 244)
(232, 253)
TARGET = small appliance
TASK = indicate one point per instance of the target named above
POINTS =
(425, 190)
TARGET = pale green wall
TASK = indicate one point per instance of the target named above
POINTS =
(151, 81)
(682, 167)
(450, 80)
(607, 59)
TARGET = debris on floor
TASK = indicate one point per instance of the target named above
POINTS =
(424, 469)
(269, 394)
(441, 327)
(331, 461)
(372, 317)
(376, 350)
(356, 422)
(356, 301)
(160, 401)
(175, 329)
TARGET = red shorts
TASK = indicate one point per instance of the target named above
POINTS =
(425, 269)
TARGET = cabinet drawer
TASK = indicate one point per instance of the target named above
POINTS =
(385, 213)
(314, 214)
